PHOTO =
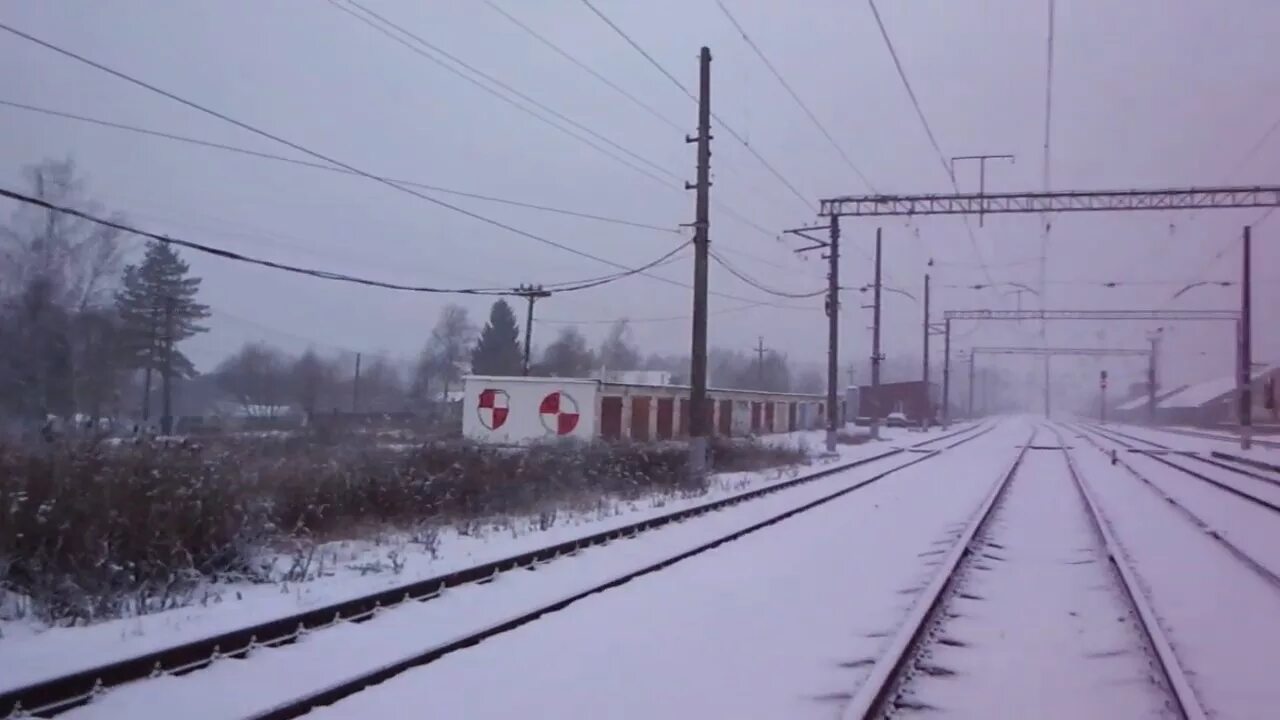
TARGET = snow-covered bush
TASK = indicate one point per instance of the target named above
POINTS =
(90, 530)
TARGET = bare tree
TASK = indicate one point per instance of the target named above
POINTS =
(255, 377)
(381, 386)
(568, 355)
(618, 352)
(314, 383)
(78, 258)
(450, 345)
(54, 268)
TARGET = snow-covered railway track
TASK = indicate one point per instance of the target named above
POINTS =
(1259, 490)
(1033, 613)
(1229, 439)
(73, 691)
(1217, 534)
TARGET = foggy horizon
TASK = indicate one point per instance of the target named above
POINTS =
(1145, 95)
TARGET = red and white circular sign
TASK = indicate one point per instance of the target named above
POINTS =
(559, 413)
(494, 407)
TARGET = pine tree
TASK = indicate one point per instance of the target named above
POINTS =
(498, 350)
(158, 310)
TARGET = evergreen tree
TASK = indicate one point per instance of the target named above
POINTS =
(158, 309)
(498, 350)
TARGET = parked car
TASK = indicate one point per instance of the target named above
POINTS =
(897, 419)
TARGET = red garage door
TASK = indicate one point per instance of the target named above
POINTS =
(640, 419)
(611, 418)
(666, 418)
(768, 417)
(726, 418)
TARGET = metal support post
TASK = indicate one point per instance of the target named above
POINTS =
(1246, 347)
(876, 357)
(972, 364)
(833, 333)
(928, 402)
(946, 373)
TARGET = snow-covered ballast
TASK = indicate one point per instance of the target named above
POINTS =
(510, 410)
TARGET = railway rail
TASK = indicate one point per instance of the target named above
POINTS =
(1233, 439)
(57, 695)
(894, 680)
(1167, 456)
(1087, 434)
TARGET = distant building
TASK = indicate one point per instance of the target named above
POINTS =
(1216, 401)
(635, 377)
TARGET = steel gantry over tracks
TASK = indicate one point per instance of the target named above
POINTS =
(1048, 201)
(974, 352)
(1106, 315)
(1053, 201)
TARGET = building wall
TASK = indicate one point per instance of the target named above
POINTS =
(523, 399)
(619, 412)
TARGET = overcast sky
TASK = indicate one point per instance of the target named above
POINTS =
(1146, 94)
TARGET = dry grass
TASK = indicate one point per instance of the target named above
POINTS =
(90, 531)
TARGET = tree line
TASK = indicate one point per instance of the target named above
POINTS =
(87, 335)
(78, 325)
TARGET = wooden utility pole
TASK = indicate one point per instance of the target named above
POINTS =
(1246, 348)
(876, 356)
(698, 429)
(760, 350)
(531, 293)
(355, 388)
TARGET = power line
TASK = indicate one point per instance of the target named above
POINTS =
(720, 121)
(670, 318)
(794, 96)
(622, 91)
(226, 118)
(384, 31)
(565, 54)
(312, 272)
(757, 284)
(942, 158)
(330, 168)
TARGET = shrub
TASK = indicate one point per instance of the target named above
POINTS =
(90, 530)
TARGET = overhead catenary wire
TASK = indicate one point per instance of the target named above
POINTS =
(928, 129)
(794, 96)
(585, 67)
(544, 108)
(330, 168)
(759, 285)
(407, 33)
(668, 318)
(307, 151)
(719, 121)
(313, 272)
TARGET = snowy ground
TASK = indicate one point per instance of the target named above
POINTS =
(1266, 448)
(237, 688)
(787, 621)
(349, 569)
(1037, 626)
(780, 623)
(1253, 527)
(1219, 614)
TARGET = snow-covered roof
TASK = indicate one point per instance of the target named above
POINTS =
(1209, 390)
(1141, 400)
